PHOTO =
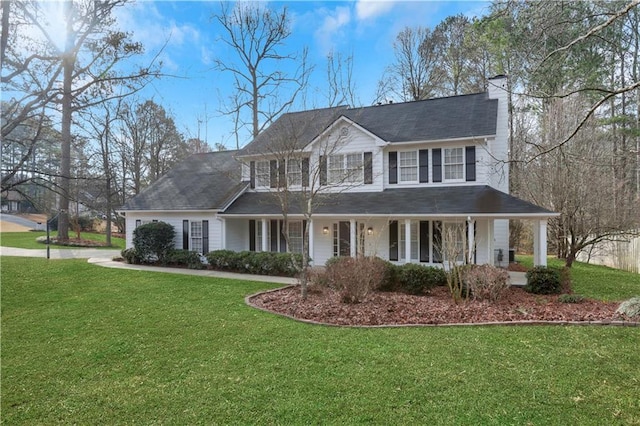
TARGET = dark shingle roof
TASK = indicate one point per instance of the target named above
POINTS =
(201, 182)
(432, 119)
(293, 130)
(458, 200)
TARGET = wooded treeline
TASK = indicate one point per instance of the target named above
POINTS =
(574, 101)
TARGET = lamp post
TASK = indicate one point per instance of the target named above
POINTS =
(48, 236)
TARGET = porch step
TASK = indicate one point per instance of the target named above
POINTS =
(517, 279)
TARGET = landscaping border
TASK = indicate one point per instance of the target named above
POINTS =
(616, 323)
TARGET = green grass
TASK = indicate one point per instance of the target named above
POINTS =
(27, 240)
(87, 345)
(597, 282)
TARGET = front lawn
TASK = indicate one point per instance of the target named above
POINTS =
(27, 240)
(89, 345)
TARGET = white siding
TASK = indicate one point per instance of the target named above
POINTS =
(175, 219)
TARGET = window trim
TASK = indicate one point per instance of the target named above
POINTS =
(346, 175)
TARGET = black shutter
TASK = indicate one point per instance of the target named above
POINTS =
(470, 159)
(437, 241)
(252, 174)
(205, 236)
(436, 157)
(323, 170)
(368, 168)
(423, 158)
(393, 240)
(283, 241)
(273, 173)
(305, 172)
(138, 222)
(185, 235)
(393, 167)
(424, 241)
(282, 167)
(252, 235)
(274, 235)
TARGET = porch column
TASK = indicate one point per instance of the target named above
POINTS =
(540, 242)
(265, 235)
(471, 240)
(407, 240)
(353, 241)
(223, 233)
(310, 227)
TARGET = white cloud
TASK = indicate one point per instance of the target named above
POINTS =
(370, 9)
(332, 29)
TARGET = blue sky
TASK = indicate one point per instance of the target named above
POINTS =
(194, 93)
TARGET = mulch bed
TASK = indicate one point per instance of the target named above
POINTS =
(382, 308)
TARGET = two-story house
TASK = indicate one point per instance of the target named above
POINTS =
(387, 180)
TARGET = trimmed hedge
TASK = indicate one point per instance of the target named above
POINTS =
(258, 263)
(190, 259)
(543, 280)
(131, 256)
(154, 241)
(418, 279)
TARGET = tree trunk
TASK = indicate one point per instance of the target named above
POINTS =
(65, 160)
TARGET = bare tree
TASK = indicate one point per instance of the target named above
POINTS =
(342, 88)
(42, 73)
(257, 34)
(416, 72)
(576, 181)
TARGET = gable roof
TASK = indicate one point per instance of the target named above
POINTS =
(201, 182)
(476, 200)
(452, 117)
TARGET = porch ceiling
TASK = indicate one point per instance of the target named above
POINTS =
(431, 201)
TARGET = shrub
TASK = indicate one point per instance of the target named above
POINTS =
(131, 256)
(543, 280)
(355, 278)
(260, 263)
(418, 279)
(390, 280)
(630, 308)
(154, 241)
(570, 298)
(485, 282)
(190, 259)
(222, 260)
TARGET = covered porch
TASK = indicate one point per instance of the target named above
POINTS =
(400, 225)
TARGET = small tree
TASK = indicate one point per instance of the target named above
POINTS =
(452, 249)
(154, 241)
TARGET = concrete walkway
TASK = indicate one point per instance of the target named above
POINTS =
(104, 258)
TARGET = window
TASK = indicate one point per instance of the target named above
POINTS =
(414, 240)
(196, 236)
(354, 168)
(262, 173)
(336, 168)
(295, 236)
(408, 166)
(453, 164)
(294, 172)
(346, 168)
(259, 235)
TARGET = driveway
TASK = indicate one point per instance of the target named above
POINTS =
(12, 223)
